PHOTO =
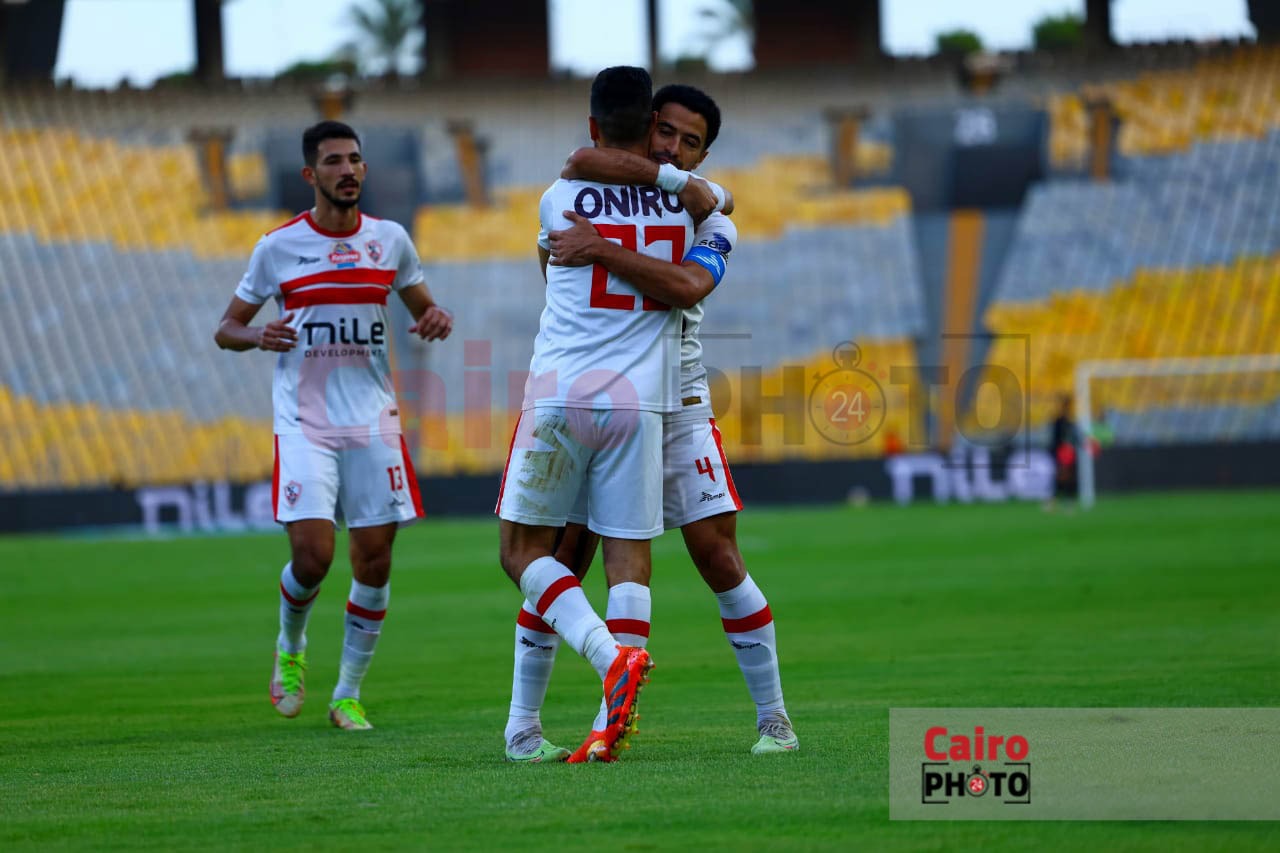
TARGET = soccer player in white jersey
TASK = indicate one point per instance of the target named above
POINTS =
(337, 425)
(699, 495)
(603, 373)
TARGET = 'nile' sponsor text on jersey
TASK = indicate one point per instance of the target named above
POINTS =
(337, 380)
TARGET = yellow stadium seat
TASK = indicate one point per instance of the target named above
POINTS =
(1222, 310)
(1221, 98)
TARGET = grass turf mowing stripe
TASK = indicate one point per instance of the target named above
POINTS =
(137, 675)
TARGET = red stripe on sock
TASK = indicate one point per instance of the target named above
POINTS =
(533, 623)
(298, 602)
(553, 592)
(756, 620)
(628, 626)
(356, 610)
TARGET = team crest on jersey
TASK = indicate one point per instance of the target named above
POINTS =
(292, 491)
(374, 248)
(344, 255)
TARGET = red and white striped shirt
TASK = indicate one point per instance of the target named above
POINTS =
(337, 380)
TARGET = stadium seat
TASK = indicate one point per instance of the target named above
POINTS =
(1163, 112)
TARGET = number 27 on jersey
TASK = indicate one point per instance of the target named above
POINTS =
(628, 238)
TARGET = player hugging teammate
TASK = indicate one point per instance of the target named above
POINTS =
(613, 358)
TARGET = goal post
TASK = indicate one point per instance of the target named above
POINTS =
(1138, 368)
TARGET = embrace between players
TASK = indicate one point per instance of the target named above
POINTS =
(616, 439)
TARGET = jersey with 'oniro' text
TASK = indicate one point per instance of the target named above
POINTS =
(602, 344)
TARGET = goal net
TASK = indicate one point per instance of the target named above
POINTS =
(1136, 402)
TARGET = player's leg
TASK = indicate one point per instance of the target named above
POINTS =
(556, 594)
(541, 481)
(627, 614)
(748, 624)
(311, 544)
(378, 492)
(625, 507)
(536, 644)
(577, 547)
(366, 609)
(305, 489)
(701, 499)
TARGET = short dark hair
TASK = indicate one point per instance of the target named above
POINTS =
(622, 103)
(695, 101)
(317, 133)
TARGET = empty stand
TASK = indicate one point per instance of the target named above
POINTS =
(1179, 258)
(1233, 96)
(108, 373)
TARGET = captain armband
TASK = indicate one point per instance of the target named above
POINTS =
(710, 260)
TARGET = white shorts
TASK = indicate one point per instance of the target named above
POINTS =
(696, 482)
(374, 484)
(615, 456)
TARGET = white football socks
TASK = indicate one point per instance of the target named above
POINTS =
(295, 607)
(560, 601)
(627, 618)
(748, 625)
(536, 645)
(366, 609)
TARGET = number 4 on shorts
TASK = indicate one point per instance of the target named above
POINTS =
(704, 467)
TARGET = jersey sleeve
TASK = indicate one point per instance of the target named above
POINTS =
(718, 233)
(258, 284)
(712, 243)
(549, 219)
(409, 267)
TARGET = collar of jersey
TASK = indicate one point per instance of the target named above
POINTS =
(316, 228)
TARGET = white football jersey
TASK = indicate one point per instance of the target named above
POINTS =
(337, 380)
(602, 344)
(717, 233)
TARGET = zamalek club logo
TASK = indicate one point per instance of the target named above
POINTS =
(952, 772)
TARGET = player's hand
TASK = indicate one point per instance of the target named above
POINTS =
(435, 324)
(575, 246)
(278, 335)
(698, 199)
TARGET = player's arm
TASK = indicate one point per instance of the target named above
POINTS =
(235, 333)
(680, 285)
(612, 166)
(544, 257)
(259, 284)
(431, 321)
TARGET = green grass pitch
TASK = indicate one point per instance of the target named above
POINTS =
(135, 682)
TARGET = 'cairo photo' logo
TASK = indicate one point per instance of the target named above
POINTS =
(964, 766)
